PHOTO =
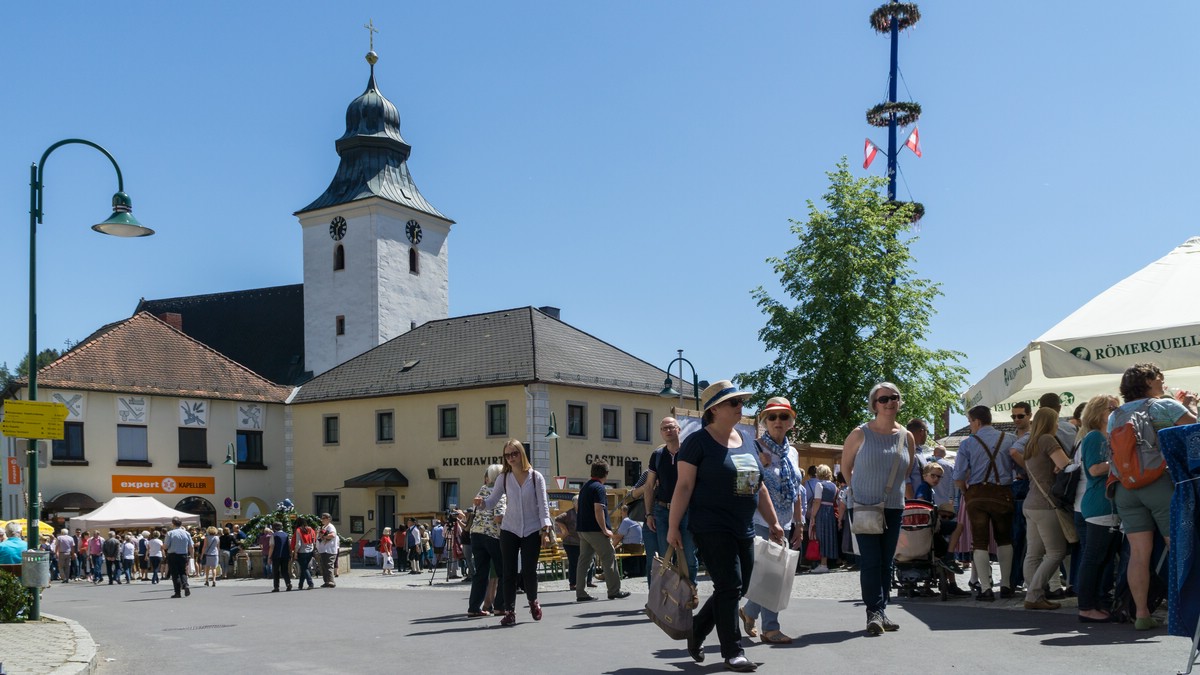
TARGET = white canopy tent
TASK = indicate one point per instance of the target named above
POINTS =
(123, 513)
(1150, 316)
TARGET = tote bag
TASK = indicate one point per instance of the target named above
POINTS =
(672, 596)
(774, 571)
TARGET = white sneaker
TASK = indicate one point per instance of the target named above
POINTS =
(819, 569)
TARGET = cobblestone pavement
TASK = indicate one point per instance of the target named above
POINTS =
(56, 645)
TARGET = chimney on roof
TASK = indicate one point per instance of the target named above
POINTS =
(173, 319)
(549, 311)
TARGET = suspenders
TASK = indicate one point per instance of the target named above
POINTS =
(992, 454)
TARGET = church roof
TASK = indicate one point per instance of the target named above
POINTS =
(374, 157)
(145, 355)
(261, 328)
(512, 346)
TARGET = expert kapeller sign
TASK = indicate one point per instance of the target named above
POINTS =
(187, 485)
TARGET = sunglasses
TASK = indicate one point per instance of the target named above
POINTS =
(1019, 417)
(773, 417)
(511, 455)
(887, 399)
(736, 402)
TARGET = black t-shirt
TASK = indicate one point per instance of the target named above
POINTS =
(590, 494)
(662, 463)
(725, 496)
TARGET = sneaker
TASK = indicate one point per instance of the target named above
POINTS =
(874, 624)
(510, 619)
(1146, 623)
(535, 608)
(888, 625)
(740, 664)
(819, 569)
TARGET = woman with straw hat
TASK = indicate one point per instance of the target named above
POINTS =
(720, 487)
(782, 478)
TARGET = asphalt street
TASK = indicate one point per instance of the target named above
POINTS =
(402, 622)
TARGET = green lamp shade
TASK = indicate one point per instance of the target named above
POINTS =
(122, 223)
(668, 391)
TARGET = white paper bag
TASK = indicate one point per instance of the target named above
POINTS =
(774, 572)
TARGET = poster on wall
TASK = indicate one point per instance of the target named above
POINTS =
(193, 412)
(76, 404)
(133, 410)
(251, 416)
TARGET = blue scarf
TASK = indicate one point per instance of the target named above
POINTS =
(790, 483)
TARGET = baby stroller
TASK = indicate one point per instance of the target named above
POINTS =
(918, 570)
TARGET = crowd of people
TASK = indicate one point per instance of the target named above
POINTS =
(1001, 501)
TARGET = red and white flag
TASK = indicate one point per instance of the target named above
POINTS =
(869, 152)
(914, 142)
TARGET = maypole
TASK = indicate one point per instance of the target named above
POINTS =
(890, 19)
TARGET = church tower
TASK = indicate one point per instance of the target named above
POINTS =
(375, 251)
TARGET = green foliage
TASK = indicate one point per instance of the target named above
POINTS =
(14, 599)
(288, 517)
(45, 358)
(860, 316)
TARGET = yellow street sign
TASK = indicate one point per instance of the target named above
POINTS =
(33, 419)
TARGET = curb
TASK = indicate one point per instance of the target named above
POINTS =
(84, 658)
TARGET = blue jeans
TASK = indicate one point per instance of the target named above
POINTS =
(97, 568)
(303, 560)
(650, 541)
(1020, 488)
(486, 552)
(875, 554)
(1076, 550)
(730, 561)
(770, 618)
(662, 520)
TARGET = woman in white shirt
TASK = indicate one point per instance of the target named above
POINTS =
(526, 523)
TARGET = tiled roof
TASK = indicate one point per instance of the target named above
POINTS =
(261, 328)
(514, 346)
(144, 355)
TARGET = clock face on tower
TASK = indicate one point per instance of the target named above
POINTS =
(337, 228)
(413, 230)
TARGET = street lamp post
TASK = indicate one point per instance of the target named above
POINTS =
(120, 224)
(231, 460)
(668, 390)
(552, 432)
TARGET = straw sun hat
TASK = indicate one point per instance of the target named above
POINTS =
(719, 391)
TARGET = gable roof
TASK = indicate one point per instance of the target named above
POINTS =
(260, 328)
(512, 346)
(145, 355)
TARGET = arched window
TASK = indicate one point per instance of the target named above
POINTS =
(339, 258)
(414, 263)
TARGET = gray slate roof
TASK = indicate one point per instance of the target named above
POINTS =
(512, 346)
(374, 158)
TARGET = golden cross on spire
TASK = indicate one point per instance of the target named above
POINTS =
(370, 26)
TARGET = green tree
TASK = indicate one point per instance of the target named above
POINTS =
(861, 316)
(45, 358)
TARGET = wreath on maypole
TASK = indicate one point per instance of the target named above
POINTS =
(905, 14)
(918, 209)
(905, 112)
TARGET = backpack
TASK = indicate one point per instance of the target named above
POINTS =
(1135, 460)
(306, 535)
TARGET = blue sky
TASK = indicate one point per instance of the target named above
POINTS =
(632, 163)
